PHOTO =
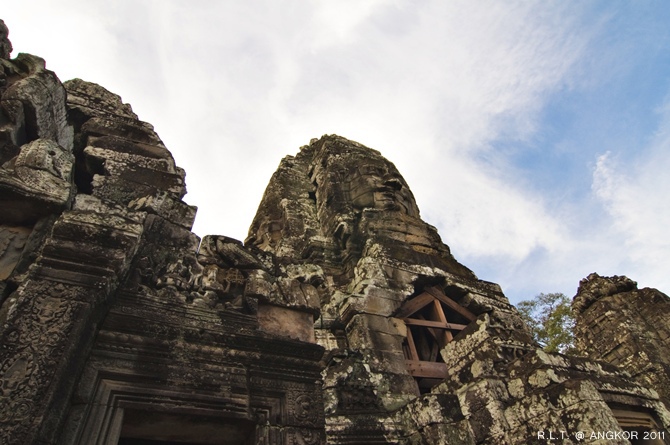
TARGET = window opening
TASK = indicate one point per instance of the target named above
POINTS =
(641, 427)
(432, 320)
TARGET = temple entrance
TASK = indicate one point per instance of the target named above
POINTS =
(152, 428)
(123, 441)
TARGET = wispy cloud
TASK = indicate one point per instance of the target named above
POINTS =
(636, 194)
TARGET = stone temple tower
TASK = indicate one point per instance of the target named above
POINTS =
(418, 350)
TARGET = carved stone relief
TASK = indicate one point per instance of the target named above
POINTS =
(12, 242)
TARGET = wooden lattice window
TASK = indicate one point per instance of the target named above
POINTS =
(432, 320)
(641, 427)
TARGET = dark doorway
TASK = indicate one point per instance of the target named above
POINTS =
(123, 441)
(152, 428)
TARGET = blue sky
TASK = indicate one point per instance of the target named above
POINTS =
(534, 135)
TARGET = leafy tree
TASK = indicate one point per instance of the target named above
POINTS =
(551, 321)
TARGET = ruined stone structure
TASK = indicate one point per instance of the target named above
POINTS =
(625, 326)
(114, 326)
(342, 319)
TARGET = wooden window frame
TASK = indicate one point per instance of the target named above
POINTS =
(434, 333)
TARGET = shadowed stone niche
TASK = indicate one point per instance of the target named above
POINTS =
(343, 319)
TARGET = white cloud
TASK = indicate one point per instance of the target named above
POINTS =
(233, 87)
(636, 196)
(33, 28)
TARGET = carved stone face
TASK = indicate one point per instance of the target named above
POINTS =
(375, 185)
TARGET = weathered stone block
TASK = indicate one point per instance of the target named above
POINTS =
(286, 322)
(37, 183)
(91, 100)
(12, 243)
(43, 99)
(165, 206)
(376, 333)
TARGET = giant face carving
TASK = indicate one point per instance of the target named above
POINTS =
(378, 186)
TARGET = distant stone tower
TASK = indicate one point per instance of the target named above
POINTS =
(627, 327)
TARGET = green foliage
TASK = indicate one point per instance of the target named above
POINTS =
(551, 321)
